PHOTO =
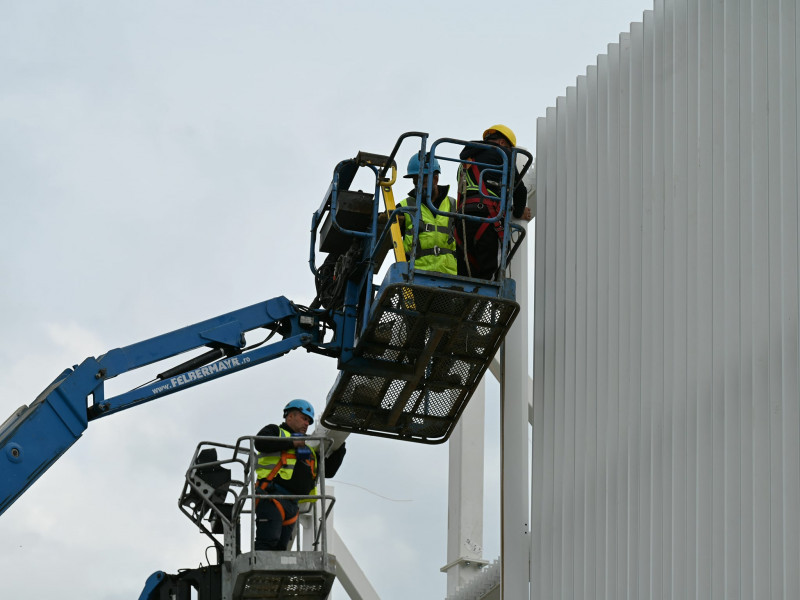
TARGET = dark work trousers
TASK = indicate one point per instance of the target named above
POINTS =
(271, 533)
(484, 253)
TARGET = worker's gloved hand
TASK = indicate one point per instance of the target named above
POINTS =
(304, 451)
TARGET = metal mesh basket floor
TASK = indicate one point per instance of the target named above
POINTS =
(427, 349)
(273, 575)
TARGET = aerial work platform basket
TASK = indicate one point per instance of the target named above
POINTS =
(414, 348)
(427, 345)
(219, 496)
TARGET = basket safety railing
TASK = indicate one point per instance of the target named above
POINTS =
(221, 492)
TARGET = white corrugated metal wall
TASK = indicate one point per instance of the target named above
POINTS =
(666, 453)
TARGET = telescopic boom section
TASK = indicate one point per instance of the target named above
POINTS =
(35, 436)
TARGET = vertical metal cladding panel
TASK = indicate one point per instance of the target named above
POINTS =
(600, 391)
(790, 295)
(592, 291)
(634, 261)
(561, 241)
(702, 303)
(624, 306)
(542, 499)
(666, 459)
(579, 536)
(746, 132)
(612, 329)
(568, 467)
(540, 513)
(644, 562)
(688, 52)
(755, 317)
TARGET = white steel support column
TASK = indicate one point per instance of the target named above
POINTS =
(348, 573)
(515, 542)
(465, 494)
(306, 530)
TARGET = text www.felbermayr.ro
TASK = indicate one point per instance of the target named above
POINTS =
(201, 373)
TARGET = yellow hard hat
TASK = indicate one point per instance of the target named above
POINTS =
(502, 129)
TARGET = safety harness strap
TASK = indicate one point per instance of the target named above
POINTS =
(284, 521)
(278, 466)
(435, 251)
(428, 227)
(493, 208)
(488, 200)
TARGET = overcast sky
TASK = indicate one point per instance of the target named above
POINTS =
(159, 165)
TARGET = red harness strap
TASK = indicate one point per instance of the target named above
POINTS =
(265, 484)
(268, 479)
(492, 205)
(284, 521)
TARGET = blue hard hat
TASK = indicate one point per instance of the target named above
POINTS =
(304, 406)
(413, 166)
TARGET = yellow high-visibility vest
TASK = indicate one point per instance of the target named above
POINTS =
(272, 464)
(436, 247)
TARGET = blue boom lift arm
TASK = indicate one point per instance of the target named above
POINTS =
(35, 436)
(410, 351)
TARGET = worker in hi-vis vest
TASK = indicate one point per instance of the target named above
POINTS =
(436, 246)
(287, 467)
